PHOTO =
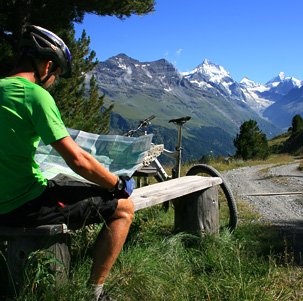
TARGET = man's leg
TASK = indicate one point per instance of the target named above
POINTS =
(110, 241)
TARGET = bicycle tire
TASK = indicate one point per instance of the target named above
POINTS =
(206, 169)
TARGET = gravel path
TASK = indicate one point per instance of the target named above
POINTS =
(285, 209)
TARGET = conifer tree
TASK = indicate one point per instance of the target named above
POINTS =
(80, 111)
(297, 123)
(55, 15)
(251, 143)
(59, 17)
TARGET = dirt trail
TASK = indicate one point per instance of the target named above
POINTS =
(284, 210)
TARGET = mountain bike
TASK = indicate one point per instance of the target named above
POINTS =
(156, 170)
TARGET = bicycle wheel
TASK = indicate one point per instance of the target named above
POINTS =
(206, 170)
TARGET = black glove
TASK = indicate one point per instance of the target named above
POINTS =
(124, 187)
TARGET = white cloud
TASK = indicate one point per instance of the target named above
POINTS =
(179, 51)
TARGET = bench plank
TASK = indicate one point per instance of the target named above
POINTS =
(165, 191)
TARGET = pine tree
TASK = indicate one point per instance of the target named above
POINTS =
(77, 110)
(297, 124)
(55, 15)
(251, 143)
(59, 16)
(90, 115)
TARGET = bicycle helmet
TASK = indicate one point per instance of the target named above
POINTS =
(42, 43)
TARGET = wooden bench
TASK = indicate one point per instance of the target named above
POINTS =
(196, 207)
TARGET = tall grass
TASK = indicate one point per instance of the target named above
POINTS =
(252, 263)
(156, 263)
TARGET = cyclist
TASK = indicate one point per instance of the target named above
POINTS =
(28, 113)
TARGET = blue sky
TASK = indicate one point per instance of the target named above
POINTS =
(249, 38)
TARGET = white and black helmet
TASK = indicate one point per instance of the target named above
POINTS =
(39, 42)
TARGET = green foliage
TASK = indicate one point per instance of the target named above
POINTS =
(297, 123)
(40, 272)
(98, 121)
(55, 15)
(290, 142)
(294, 144)
(77, 110)
(251, 143)
(276, 143)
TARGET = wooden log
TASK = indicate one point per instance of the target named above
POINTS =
(23, 241)
(198, 212)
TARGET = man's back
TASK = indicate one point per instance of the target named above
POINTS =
(23, 117)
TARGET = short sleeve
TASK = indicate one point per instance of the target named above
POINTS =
(45, 116)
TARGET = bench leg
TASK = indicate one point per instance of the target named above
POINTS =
(18, 249)
(198, 212)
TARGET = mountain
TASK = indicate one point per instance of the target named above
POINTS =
(270, 93)
(282, 111)
(218, 81)
(267, 100)
(280, 97)
(256, 95)
(140, 89)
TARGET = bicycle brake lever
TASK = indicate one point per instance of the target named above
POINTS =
(146, 122)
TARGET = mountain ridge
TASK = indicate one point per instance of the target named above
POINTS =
(139, 89)
(259, 97)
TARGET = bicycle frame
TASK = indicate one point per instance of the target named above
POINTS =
(160, 174)
(176, 155)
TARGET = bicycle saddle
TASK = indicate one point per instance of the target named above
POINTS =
(181, 120)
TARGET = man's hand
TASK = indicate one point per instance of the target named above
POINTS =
(124, 187)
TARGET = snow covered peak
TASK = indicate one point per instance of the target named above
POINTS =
(212, 69)
(208, 71)
(248, 83)
(281, 78)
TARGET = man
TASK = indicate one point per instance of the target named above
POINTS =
(28, 113)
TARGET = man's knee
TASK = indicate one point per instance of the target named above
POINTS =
(125, 209)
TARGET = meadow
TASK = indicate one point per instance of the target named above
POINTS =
(156, 263)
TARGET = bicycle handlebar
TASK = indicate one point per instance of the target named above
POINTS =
(143, 123)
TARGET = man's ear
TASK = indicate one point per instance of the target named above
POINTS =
(49, 66)
(44, 67)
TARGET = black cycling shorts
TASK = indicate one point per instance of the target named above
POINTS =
(73, 202)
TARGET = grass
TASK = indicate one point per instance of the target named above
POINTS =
(252, 263)
(222, 164)
(158, 264)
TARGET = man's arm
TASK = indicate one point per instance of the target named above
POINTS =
(83, 163)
